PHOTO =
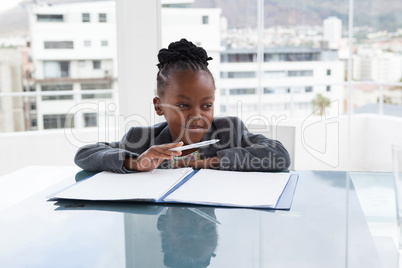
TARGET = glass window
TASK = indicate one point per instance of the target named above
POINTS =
(301, 73)
(81, 63)
(276, 90)
(238, 74)
(96, 64)
(32, 106)
(275, 74)
(96, 86)
(238, 57)
(49, 18)
(90, 119)
(241, 91)
(205, 19)
(56, 69)
(102, 17)
(34, 122)
(57, 87)
(57, 121)
(309, 89)
(59, 44)
(86, 17)
(87, 43)
(329, 72)
(104, 43)
(328, 88)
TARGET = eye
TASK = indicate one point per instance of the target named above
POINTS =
(182, 105)
(208, 105)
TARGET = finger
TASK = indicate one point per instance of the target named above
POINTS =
(166, 152)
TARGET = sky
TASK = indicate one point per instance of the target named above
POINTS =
(7, 4)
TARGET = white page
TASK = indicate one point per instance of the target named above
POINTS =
(232, 188)
(105, 185)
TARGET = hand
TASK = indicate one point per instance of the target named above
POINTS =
(211, 163)
(153, 157)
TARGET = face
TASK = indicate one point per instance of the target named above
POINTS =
(187, 104)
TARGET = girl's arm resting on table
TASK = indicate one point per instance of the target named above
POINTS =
(104, 156)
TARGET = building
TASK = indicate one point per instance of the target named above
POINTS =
(73, 52)
(11, 107)
(285, 83)
(377, 65)
(332, 32)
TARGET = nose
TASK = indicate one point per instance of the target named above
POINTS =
(195, 114)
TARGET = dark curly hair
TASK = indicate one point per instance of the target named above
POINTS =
(180, 56)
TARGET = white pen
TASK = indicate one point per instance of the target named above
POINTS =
(194, 145)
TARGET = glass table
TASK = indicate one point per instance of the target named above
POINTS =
(337, 219)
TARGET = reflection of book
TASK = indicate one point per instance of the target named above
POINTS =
(185, 185)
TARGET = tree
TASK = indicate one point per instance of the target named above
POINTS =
(319, 103)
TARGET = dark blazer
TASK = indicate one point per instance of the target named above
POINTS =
(238, 149)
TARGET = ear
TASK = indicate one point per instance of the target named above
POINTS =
(157, 106)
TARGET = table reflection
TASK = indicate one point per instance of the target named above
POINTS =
(188, 238)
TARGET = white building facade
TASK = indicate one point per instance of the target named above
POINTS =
(332, 32)
(285, 84)
(73, 49)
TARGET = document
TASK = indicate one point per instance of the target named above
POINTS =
(231, 188)
(185, 185)
(141, 186)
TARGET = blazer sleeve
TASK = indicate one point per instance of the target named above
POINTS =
(254, 152)
(104, 156)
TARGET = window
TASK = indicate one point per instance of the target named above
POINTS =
(57, 87)
(102, 17)
(34, 122)
(81, 63)
(87, 43)
(96, 86)
(86, 17)
(205, 19)
(238, 74)
(328, 88)
(275, 74)
(309, 89)
(241, 91)
(291, 56)
(32, 106)
(104, 43)
(57, 121)
(239, 57)
(91, 120)
(276, 90)
(300, 73)
(49, 18)
(329, 72)
(96, 64)
(57, 69)
(59, 44)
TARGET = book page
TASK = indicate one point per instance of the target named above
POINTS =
(232, 188)
(149, 186)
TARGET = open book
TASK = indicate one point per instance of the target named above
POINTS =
(185, 185)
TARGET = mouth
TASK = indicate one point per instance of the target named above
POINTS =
(195, 127)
